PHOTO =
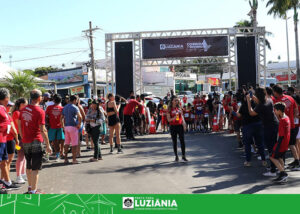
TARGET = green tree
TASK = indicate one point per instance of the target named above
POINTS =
(247, 23)
(19, 84)
(279, 8)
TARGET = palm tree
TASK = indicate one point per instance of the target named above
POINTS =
(253, 12)
(279, 8)
(246, 23)
(19, 84)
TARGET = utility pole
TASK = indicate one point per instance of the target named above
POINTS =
(89, 33)
(288, 50)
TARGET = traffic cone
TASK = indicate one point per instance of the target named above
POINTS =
(215, 124)
(152, 129)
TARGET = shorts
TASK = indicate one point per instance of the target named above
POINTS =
(294, 133)
(34, 155)
(199, 112)
(3, 152)
(298, 135)
(278, 155)
(56, 134)
(11, 147)
(164, 120)
(103, 129)
(71, 135)
(237, 125)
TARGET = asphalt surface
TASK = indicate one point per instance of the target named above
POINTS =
(147, 166)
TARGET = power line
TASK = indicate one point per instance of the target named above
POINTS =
(42, 57)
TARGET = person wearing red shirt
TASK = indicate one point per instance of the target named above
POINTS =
(21, 161)
(164, 121)
(282, 144)
(177, 126)
(128, 113)
(184, 99)
(297, 99)
(142, 111)
(198, 109)
(10, 140)
(5, 126)
(56, 133)
(237, 122)
(291, 110)
(33, 132)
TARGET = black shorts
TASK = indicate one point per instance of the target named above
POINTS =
(34, 155)
(11, 147)
(143, 117)
(294, 133)
(278, 155)
(227, 114)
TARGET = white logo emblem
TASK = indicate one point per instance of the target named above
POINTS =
(162, 47)
(128, 202)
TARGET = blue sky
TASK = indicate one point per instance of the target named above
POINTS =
(55, 26)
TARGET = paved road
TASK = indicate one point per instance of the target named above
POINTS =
(147, 166)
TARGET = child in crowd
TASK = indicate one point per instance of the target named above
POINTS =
(193, 121)
(205, 119)
(164, 121)
(186, 114)
(282, 145)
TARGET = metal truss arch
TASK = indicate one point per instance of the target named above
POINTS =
(137, 37)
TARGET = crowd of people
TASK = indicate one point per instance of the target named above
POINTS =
(49, 125)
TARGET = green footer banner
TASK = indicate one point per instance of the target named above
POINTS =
(149, 204)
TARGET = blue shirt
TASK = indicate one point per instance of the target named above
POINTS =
(70, 112)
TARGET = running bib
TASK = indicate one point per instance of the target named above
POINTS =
(199, 108)
(206, 115)
(186, 115)
(296, 120)
(8, 129)
(192, 116)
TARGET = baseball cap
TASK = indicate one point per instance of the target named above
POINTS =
(10, 103)
(47, 95)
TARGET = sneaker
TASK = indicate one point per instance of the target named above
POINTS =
(120, 151)
(282, 177)
(45, 160)
(295, 168)
(11, 187)
(3, 191)
(28, 190)
(20, 180)
(247, 164)
(111, 151)
(176, 159)
(294, 163)
(57, 159)
(24, 176)
(270, 174)
(184, 158)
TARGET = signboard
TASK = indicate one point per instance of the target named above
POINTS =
(185, 76)
(213, 81)
(67, 76)
(185, 47)
(283, 78)
(77, 90)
